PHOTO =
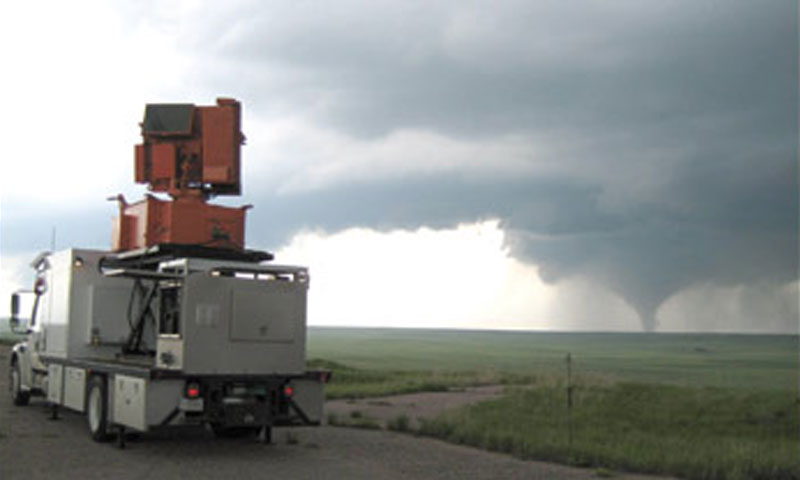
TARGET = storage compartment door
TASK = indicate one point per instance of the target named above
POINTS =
(267, 311)
(75, 388)
(108, 322)
(130, 404)
(55, 383)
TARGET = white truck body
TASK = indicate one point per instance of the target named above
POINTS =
(178, 341)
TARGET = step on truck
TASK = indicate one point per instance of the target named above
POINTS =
(177, 324)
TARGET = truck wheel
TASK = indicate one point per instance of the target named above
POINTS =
(97, 409)
(18, 397)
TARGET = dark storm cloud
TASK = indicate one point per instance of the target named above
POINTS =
(674, 125)
(719, 227)
(479, 70)
(558, 209)
(668, 129)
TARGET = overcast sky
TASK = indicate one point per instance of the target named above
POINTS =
(576, 165)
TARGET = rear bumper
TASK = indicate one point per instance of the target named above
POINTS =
(236, 402)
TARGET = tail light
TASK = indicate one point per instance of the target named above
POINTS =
(192, 390)
(288, 391)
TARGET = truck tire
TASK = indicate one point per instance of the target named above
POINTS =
(97, 409)
(18, 397)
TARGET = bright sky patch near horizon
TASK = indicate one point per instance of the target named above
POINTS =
(578, 166)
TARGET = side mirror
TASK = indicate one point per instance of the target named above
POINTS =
(14, 309)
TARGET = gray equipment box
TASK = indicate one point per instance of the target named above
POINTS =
(232, 325)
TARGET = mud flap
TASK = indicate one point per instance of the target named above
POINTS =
(308, 399)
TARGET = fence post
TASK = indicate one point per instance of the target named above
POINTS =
(569, 398)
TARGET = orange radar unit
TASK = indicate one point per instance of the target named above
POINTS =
(191, 153)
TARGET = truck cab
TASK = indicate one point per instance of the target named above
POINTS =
(27, 372)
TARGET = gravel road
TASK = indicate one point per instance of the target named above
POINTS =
(34, 447)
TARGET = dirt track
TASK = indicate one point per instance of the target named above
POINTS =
(414, 406)
(34, 447)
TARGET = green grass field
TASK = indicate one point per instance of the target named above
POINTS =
(740, 361)
(702, 433)
(695, 406)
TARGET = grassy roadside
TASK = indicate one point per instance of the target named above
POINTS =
(708, 433)
(696, 433)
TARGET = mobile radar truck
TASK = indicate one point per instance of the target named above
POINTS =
(178, 323)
